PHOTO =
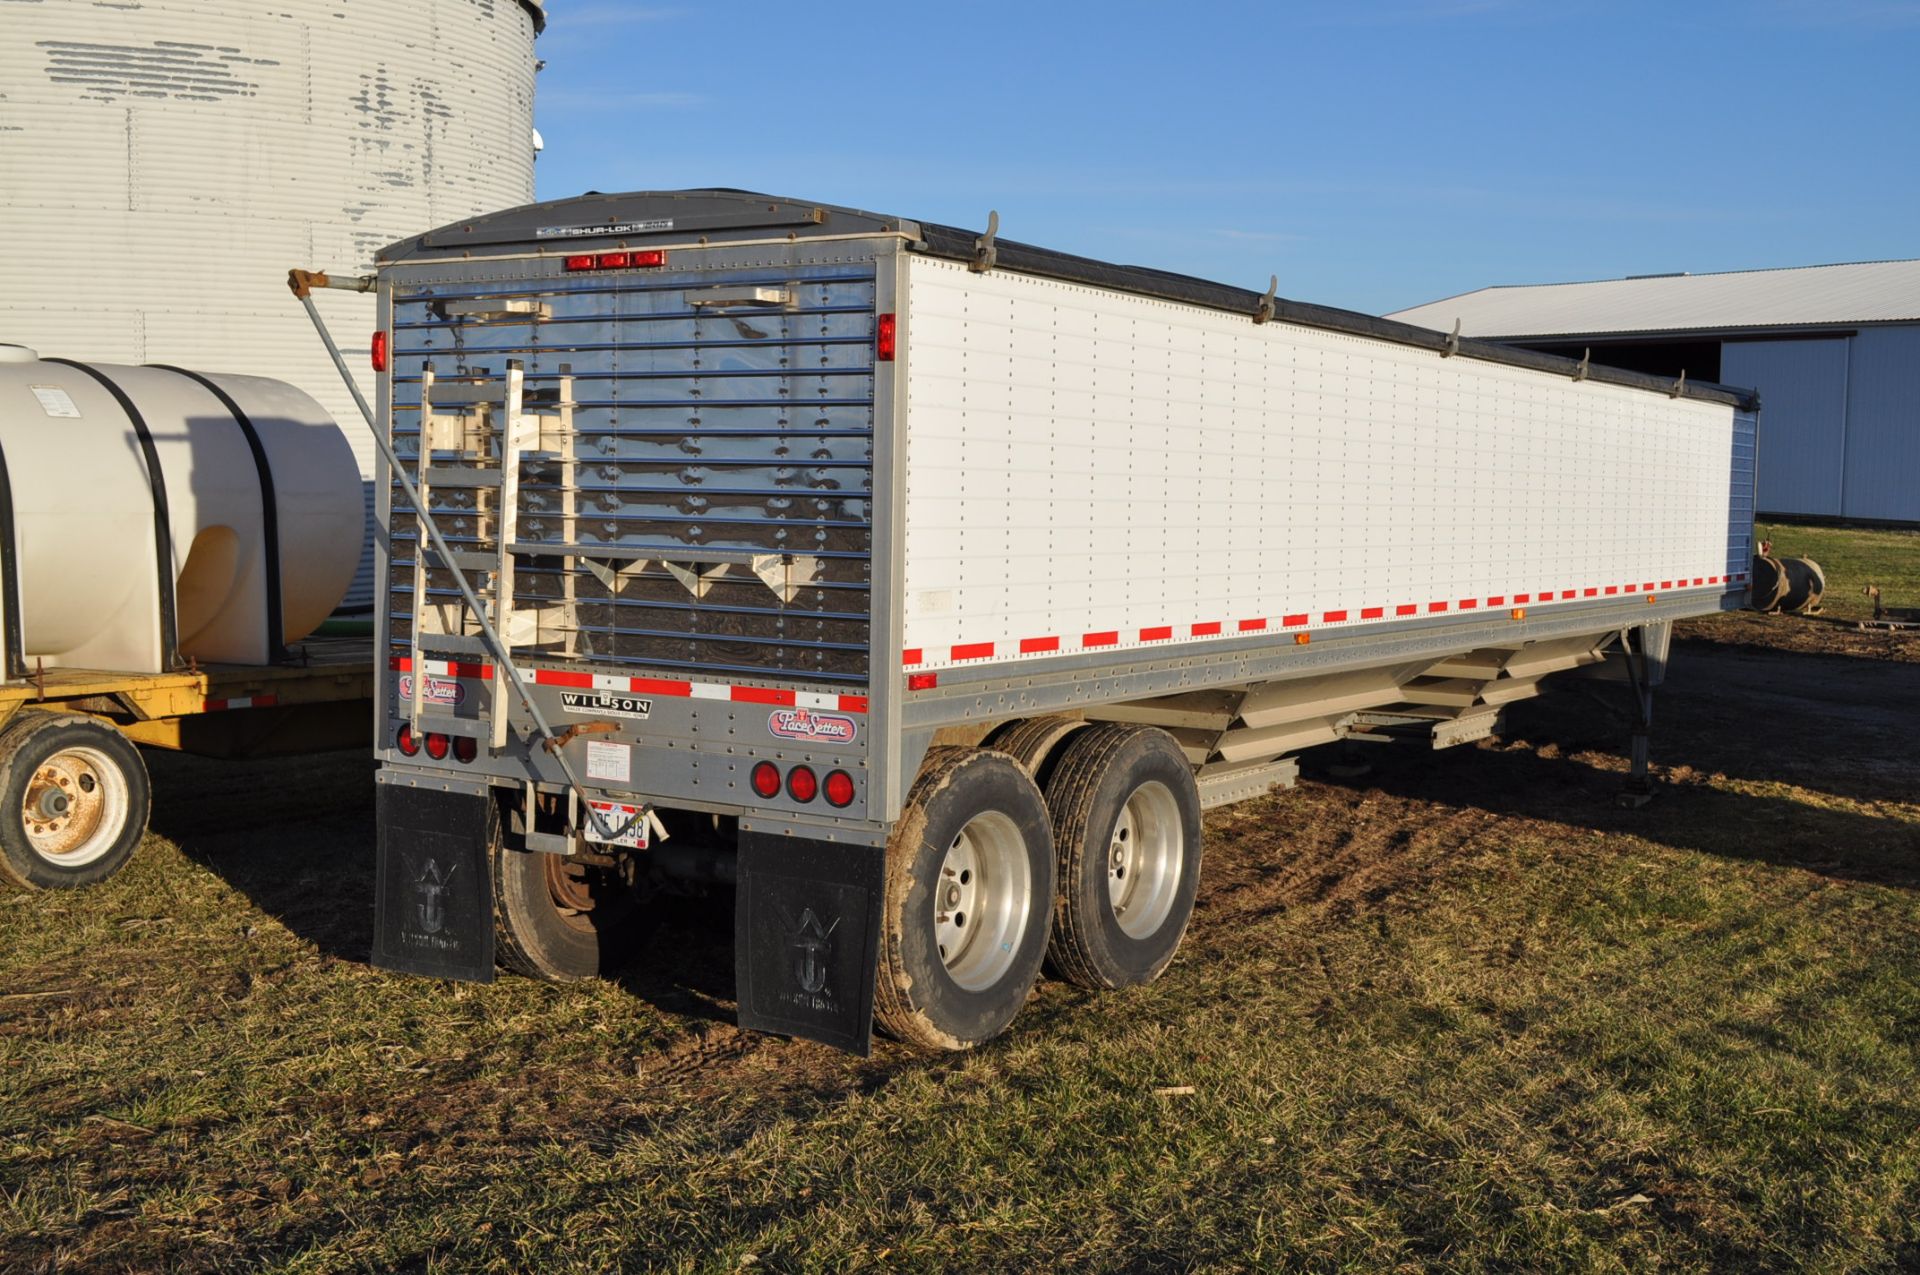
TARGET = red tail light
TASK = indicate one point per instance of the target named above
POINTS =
(465, 749)
(839, 788)
(766, 779)
(405, 741)
(379, 351)
(437, 745)
(620, 260)
(886, 337)
(802, 784)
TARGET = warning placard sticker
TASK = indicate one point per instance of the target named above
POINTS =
(55, 401)
(611, 762)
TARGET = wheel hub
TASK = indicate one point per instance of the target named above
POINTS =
(981, 900)
(73, 806)
(1145, 855)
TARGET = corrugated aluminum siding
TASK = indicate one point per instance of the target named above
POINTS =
(163, 164)
(1839, 422)
(1882, 443)
(1803, 414)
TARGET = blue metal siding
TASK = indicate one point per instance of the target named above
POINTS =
(1803, 419)
(1882, 443)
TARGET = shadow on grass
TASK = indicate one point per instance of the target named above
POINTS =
(1528, 777)
(296, 837)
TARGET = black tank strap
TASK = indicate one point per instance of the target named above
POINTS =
(162, 522)
(269, 506)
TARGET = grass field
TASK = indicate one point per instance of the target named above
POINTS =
(1460, 1013)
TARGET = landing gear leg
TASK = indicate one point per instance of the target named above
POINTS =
(1646, 652)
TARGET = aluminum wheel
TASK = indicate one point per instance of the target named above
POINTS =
(1145, 854)
(982, 901)
(74, 807)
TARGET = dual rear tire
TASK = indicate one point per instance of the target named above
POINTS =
(988, 879)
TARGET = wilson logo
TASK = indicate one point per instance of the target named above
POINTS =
(813, 727)
(606, 704)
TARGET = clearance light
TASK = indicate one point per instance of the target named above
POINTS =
(1518, 613)
(802, 785)
(922, 681)
(379, 351)
(406, 741)
(1301, 639)
(766, 779)
(437, 745)
(886, 337)
(623, 259)
(465, 749)
(839, 787)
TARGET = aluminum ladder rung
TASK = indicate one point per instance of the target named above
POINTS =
(471, 727)
(465, 393)
(470, 559)
(460, 476)
(451, 643)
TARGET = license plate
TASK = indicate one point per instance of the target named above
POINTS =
(617, 816)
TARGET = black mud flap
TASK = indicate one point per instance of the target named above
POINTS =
(806, 935)
(433, 906)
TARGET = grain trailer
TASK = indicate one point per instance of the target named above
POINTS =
(927, 586)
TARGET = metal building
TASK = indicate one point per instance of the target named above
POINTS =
(163, 164)
(1833, 350)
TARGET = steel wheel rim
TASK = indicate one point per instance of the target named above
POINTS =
(981, 901)
(1146, 850)
(75, 807)
(573, 890)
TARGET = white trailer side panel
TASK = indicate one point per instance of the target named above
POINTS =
(1092, 470)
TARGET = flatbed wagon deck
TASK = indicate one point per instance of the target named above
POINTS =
(74, 792)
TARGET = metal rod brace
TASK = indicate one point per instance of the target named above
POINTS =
(495, 644)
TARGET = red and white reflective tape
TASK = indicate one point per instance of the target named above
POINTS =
(1051, 643)
(240, 701)
(669, 687)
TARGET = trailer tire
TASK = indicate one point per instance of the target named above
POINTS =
(1034, 742)
(96, 777)
(1123, 801)
(974, 833)
(539, 929)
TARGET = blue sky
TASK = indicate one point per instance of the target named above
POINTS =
(1372, 154)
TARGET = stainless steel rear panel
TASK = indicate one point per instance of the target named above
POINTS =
(724, 408)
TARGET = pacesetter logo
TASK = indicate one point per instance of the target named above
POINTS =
(439, 690)
(813, 727)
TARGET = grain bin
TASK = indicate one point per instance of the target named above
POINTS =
(162, 163)
(155, 515)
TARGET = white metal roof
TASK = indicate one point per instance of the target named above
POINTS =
(1862, 292)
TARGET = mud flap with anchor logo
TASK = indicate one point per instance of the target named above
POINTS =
(806, 929)
(433, 905)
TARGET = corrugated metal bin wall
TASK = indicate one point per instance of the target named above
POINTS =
(163, 164)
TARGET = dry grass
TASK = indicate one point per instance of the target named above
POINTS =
(1462, 1013)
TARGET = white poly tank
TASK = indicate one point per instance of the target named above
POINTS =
(164, 163)
(151, 516)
